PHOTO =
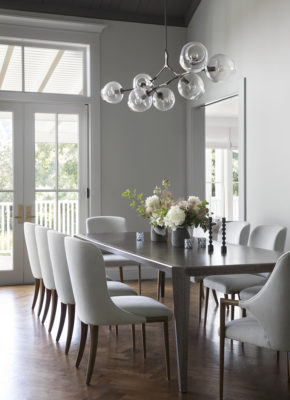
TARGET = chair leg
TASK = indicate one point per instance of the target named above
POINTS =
(232, 307)
(222, 349)
(63, 308)
(53, 309)
(200, 300)
(206, 305)
(162, 287)
(133, 337)
(70, 327)
(42, 291)
(36, 291)
(166, 342)
(226, 297)
(144, 340)
(139, 278)
(277, 357)
(288, 367)
(94, 331)
(244, 313)
(47, 303)
(215, 297)
(84, 333)
(121, 274)
(158, 284)
(117, 330)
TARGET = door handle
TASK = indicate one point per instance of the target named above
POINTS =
(29, 217)
(19, 217)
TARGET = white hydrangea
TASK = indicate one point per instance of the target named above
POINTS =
(175, 217)
(157, 220)
(193, 202)
(151, 203)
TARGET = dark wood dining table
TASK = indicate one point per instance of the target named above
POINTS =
(182, 264)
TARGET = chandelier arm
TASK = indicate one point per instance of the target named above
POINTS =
(126, 90)
(166, 83)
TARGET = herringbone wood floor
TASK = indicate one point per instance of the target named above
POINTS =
(33, 366)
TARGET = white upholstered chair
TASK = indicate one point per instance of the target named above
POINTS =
(269, 237)
(269, 324)
(95, 307)
(47, 274)
(237, 232)
(29, 234)
(64, 288)
(261, 236)
(109, 224)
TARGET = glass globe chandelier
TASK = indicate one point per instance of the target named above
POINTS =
(147, 91)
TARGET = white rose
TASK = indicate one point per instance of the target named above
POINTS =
(152, 202)
(194, 199)
(175, 217)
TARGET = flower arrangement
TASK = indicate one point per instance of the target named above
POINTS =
(163, 212)
(186, 213)
(155, 207)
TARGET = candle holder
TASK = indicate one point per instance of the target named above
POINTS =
(210, 245)
(224, 247)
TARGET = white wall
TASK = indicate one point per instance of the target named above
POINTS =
(139, 149)
(256, 35)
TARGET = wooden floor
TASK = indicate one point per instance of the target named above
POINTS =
(33, 366)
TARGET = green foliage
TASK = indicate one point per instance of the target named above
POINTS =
(136, 201)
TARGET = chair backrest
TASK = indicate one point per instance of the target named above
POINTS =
(271, 305)
(87, 272)
(44, 256)
(270, 237)
(237, 232)
(106, 224)
(29, 234)
(60, 267)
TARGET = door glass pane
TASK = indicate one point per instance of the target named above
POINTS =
(45, 210)
(68, 126)
(68, 214)
(6, 193)
(45, 151)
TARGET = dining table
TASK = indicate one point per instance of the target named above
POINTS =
(181, 264)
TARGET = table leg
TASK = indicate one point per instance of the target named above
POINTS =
(180, 283)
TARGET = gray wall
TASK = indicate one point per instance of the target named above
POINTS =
(139, 149)
(256, 35)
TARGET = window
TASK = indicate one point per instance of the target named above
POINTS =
(43, 67)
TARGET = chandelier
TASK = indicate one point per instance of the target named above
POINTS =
(147, 90)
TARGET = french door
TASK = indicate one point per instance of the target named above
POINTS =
(44, 177)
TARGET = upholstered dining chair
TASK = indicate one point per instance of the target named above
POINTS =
(263, 236)
(29, 234)
(64, 288)
(109, 224)
(95, 307)
(47, 274)
(237, 232)
(269, 324)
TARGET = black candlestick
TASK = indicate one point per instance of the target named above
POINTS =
(224, 247)
(210, 245)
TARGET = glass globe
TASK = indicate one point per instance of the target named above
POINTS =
(139, 101)
(112, 93)
(193, 57)
(163, 99)
(191, 86)
(220, 67)
(142, 80)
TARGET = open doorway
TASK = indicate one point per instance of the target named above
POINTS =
(222, 158)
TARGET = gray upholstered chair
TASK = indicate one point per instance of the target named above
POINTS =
(269, 237)
(237, 232)
(64, 288)
(29, 234)
(109, 224)
(269, 324)
(95, 307)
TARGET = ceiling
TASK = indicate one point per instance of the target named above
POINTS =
(179, 12)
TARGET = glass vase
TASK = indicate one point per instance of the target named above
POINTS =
(158, 234)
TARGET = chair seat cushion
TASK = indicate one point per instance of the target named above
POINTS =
(246, 294)
(120, 289)
(232, 283)
(143, 306)
(247, 330)
(114, 260)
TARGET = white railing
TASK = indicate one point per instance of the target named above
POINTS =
(6, 227)
(67, 219)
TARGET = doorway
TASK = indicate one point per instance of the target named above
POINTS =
(43, 159)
